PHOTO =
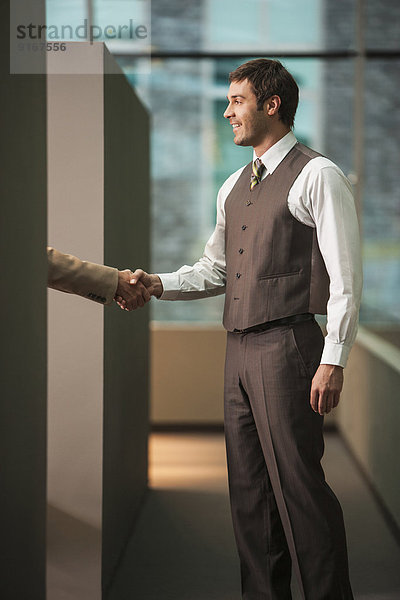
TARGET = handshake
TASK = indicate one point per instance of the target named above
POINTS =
(135, 289)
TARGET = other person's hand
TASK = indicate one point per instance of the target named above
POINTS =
(128, 296)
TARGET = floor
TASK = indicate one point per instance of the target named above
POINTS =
(182, 547)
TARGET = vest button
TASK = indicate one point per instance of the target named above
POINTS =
(244, 227)
(238, 275)
(241, 250)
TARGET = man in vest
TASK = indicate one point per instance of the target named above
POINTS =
(285, 246)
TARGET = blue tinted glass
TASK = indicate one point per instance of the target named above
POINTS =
(124, 25)
(262, 25)
(382, 24)
(249, 26)
(66, 20)
(381, 201)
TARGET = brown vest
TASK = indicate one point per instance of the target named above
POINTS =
(273, 263)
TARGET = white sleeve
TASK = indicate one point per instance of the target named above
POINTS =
(207, 277)
(203, 279)
(330, 204)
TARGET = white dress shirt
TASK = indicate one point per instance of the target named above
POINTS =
(321, 197)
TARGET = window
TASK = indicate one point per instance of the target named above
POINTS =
(195, 45)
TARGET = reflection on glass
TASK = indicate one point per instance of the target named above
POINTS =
(339, 24)
(257, 25)
(66, 20)
(382, 24)
(381, 202)
(124, 26)
(337, 108)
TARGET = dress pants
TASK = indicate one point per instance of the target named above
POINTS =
(284, 513)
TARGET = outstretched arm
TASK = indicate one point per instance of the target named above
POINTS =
(99, 283)
(207, 277)
(69, 274)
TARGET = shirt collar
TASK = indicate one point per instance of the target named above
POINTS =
(274, 155)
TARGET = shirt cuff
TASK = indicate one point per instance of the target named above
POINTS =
(170, 283)
(335, 354)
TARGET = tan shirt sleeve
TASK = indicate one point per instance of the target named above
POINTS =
(74, 276)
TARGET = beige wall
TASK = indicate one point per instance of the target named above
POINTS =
(75, 344)
(369, 414)
(187, 373)
(98, 186)
(75, 326)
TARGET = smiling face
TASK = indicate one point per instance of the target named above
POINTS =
(250, 126)
(253, 127)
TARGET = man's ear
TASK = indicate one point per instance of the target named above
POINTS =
(272, 105)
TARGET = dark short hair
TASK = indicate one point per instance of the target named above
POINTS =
(270, 78)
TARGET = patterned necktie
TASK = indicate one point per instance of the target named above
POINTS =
(258, 169)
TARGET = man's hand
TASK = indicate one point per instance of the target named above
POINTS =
(152, 282)
(325, 388)
(130, 296)
(139, 280)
